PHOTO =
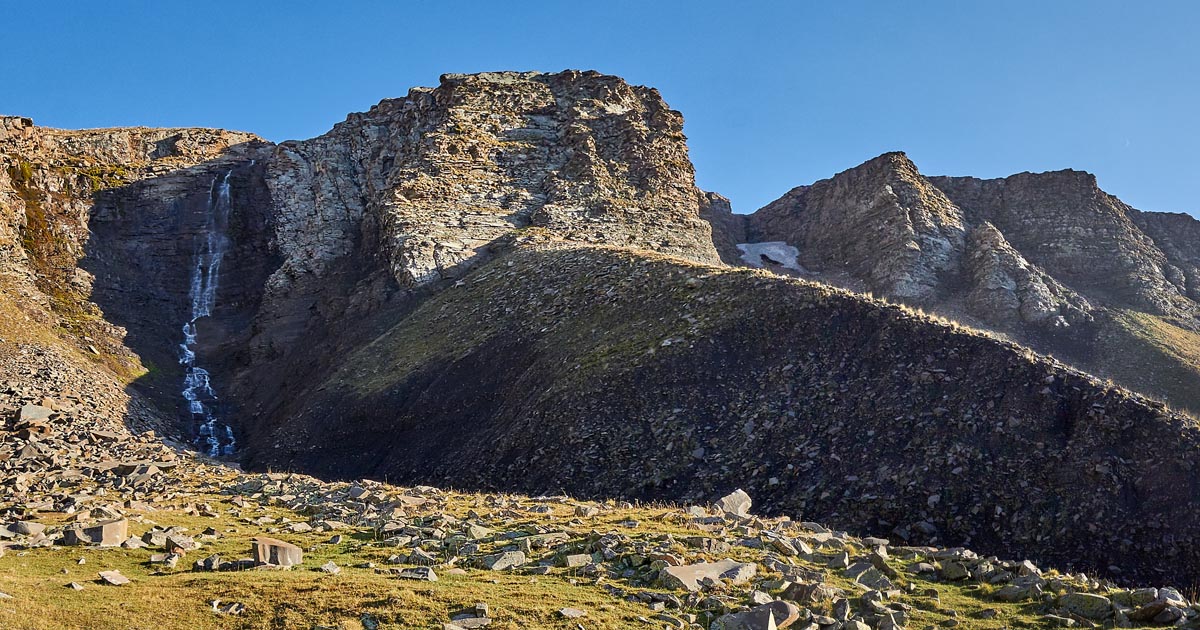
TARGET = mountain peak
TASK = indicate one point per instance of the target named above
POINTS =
(881, 222)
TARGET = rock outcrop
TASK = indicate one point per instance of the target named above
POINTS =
(1048, 259)
(445, 171)
(1087, 238)
(880, 222)
(106, 217)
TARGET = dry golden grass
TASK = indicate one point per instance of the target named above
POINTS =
(308, 598)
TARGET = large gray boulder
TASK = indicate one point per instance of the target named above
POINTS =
(1086, 605)
(736, 503)
(106, 534)
(690, 577)
(777, 614)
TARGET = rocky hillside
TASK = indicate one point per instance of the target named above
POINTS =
(104, 525)
(401, 199)
(1047, 259)
(510, 282)
(105, 216)
(573, 366)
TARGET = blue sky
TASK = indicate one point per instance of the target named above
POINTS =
(774, 94)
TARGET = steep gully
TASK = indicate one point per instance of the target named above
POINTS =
(214, 436)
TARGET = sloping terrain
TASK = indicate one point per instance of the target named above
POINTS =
(1048, 259)
(606, 372)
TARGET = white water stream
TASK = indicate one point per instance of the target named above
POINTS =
(214, 436)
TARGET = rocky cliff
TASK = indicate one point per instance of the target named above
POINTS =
(106, 216)
(1049, 259)
(410, 194)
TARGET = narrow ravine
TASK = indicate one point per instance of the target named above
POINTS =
(212, 435)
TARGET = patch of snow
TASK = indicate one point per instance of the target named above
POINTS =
(775, 252)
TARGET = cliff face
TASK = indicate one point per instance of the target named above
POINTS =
(1048, 259)
(106, 217)
(413, 192)
(1064, 223)
(881, 222)
(445, 171)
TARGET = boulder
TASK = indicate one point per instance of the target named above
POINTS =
(34, 412)
(418, 573)
(576, 560)
(275, 552)
(106, 534)
(736, 503)
(504, 561)
(113, 578)
(26, 528)
(954, 571)
(778, 614)
(690, 576)
(1086, 605)
(811, 593)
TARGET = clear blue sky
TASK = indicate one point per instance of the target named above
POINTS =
(774, 94)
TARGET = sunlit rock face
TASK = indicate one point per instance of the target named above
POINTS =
(1047, 259)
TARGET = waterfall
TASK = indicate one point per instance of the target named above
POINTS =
(215, 436)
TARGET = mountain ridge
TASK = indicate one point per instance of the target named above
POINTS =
(558, 193)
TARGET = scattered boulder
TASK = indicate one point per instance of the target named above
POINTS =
(777, 614)
(26, 528)
(691, 577)
(275, 552)
(425, 574)
(572, 613)
(33, 412)
(736, 503)
(504, 561)
(113, 578)
(1086, 605)
(106, 534)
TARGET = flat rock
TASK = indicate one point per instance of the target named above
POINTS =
(106, 534)
(113, 578)
(690, 576)
(34, 412)
(26, 528)
(418, 573)
(504, 561)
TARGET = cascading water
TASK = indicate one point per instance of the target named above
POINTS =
(212, 243)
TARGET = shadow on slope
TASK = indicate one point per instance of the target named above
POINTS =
(604, 372)
(112, 254)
